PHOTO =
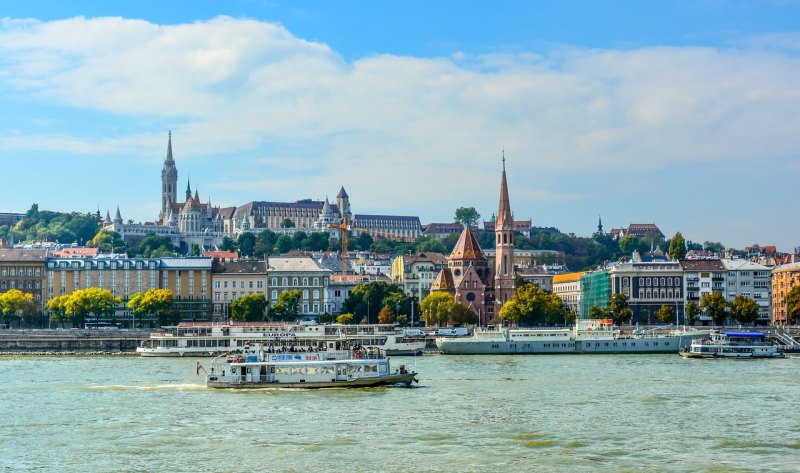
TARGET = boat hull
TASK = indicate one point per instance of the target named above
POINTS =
(716, 356)
(400, 378)
(562, 347)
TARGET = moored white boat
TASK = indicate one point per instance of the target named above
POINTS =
(732, 344)
(257, 367)
(211, 339)
(586, 337)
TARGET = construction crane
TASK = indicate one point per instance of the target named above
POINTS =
(345, 229)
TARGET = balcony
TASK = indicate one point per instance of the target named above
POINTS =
(718, 279)
(692, 297)
(692, 278)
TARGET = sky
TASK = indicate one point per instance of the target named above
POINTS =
(679, 113)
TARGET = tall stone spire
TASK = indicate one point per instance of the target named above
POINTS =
(504, 218)
(504, 247)
(169, 181)
(188, 190)
(118, 217)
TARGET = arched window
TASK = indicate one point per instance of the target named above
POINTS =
(274, 295)
(305, 293)
(295, 281)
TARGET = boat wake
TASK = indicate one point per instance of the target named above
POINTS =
(158, 387)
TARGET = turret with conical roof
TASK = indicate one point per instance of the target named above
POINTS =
(343, 201)
(118, 217)
(188, 190)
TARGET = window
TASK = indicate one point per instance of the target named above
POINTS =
(274, 281)
(274, 295)
(316, 281)
(305, 281)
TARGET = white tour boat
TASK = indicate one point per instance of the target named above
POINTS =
(597, 336)
(258, 366)
(212, 339)
(738, 345)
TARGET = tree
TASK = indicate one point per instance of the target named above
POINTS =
(436, 308)
(665, 314)
(366, 300)
(677, 247)
(288, 307)
(287, 223)
(715, 247)
(630, 243)
(744, 309)
(91, 301)
(325, 318)
(467, 216)
(692, 310)
(12, 303)
(386, 316)
(108, 242)
(618, 309)
(345, 319)
(57, 309)
(715, 307)
(157, 302)
(282, 245)
(463, 315)
(247, 243)
(793, 305)
(228, 244)
(597, 312)
(249, 308)
(531, 306)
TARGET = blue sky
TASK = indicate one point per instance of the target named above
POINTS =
(679, 113)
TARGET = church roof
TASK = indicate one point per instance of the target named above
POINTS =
(342, 193)
(444, 281)
(467, 247)
(504, 219)
(169, 149)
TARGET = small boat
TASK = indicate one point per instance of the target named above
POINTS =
(737, 345)
(259, 367)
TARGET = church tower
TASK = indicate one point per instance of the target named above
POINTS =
(504, 244)
(343, 202)
(169, 182)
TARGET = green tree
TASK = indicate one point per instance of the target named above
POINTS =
(677, 247)
(467, 216)
(12, 303)
(154, 246)
(345, 319)
(157, 302)
(228, 244)
(398, 302)
(247, 243)
(597, 312)
(744, 309)
(249, 308)
(692, 310)
(436, 308)
(287, 223)
(463, 315)
(630, 243)
(793, 305)
(715, 307)
(282, 245)
(618, 309)
(366, 300)
(288, 307)
(325, 318)
(531, 306)
(265, 242)
(108, 242)
(715, 246)
(665, 314)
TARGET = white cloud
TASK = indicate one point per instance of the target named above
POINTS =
(404, 131)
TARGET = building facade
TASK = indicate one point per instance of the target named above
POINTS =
(233, 279)
(301, 273)
(784, 278)
(753, 280)
(701, 277)
(416, 273)
(567, 287)
(649, 286)
(23, 269)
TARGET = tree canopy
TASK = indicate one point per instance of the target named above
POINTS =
(158, 302)
(744, 309)
(793, 305)
(534, 306)
(666, 314)
(715, 307)
(618, 309)
(692, 310)
(366, 300)
(467, 216)
(677, 247)
(249, 308)
(12, 303)
(436, 308)
(288, 307)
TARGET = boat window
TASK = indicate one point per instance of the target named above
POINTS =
(326, 369)
(353, 369)
(370, 368)
(298, 370)
(282, 370)
(312, 370)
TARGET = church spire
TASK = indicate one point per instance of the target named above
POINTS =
(169, 149)
(188, 190)
(504, 218)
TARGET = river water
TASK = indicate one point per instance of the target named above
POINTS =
(479, 414)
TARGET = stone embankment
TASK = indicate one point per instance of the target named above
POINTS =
(71, 342)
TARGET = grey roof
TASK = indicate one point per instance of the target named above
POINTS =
(239, 267)
(189, 263)
(22, 255)
(743, 264)
(702, 265)
(294, 263)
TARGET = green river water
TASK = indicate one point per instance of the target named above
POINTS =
(481, 414)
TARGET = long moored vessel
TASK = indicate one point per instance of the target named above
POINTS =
(587, 336)
(738, 345)
(260, 367)
(211, 339)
